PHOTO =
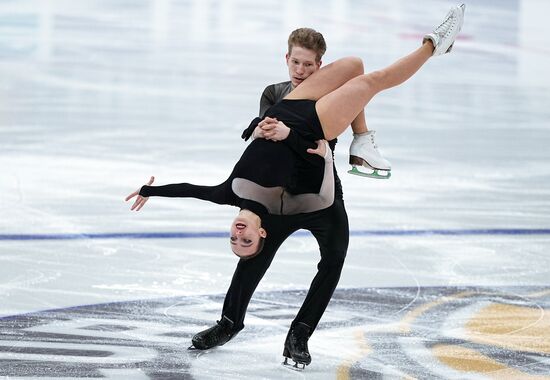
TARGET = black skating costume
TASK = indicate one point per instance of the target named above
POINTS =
(279, 178)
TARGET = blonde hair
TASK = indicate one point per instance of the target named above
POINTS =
(308, 39)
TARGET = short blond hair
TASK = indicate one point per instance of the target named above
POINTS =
(308, 39)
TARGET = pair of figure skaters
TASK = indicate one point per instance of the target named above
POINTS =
(285, 180)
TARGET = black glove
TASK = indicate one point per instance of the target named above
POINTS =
(250, 130)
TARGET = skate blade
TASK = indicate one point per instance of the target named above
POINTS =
(375, 173)
(193, 348)
(196, 350)
(295, 367)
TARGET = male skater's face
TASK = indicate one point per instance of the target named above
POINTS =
(301, 64)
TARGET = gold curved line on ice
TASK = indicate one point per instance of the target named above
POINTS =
(467, 360)
(518, 328)
(343, 371)
(406, 322)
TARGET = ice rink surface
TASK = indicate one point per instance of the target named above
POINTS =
(448, 270)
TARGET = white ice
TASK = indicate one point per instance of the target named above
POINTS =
(97, 96)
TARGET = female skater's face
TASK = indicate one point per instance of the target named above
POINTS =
(245, 234)
(301, 64)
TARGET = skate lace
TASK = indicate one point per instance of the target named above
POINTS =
(444, 29)
(372, 142)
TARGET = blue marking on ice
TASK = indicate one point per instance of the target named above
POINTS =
(219, 234)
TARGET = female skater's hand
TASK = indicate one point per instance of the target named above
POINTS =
(140, 201)
(322, 148)
(272, 129)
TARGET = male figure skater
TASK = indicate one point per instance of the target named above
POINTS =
(329, 226)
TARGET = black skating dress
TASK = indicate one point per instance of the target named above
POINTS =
(279, 178)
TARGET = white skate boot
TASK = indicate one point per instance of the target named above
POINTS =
(363, 152)
(443, 37)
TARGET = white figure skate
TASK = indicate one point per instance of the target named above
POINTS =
(363, 152)
(443, 37)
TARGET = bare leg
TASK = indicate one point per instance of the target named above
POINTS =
(359, 124)
(328, 79)
(351, 97)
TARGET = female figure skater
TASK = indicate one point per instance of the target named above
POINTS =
(270, 177)
(321, 108)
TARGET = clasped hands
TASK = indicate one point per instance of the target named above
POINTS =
(272, 129)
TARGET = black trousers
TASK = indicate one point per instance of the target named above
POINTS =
(331, 229)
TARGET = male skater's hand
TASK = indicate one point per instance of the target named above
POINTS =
(140, 201)
(271, 129)
(322, 148)
(258, 131)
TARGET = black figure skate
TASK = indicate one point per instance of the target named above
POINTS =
(217, 335)
(296, 347)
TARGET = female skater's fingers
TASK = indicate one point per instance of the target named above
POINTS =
(131, 196)
(268, 126)
(142, 203)
(151, 180)
(267, 120)
(136, 203)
